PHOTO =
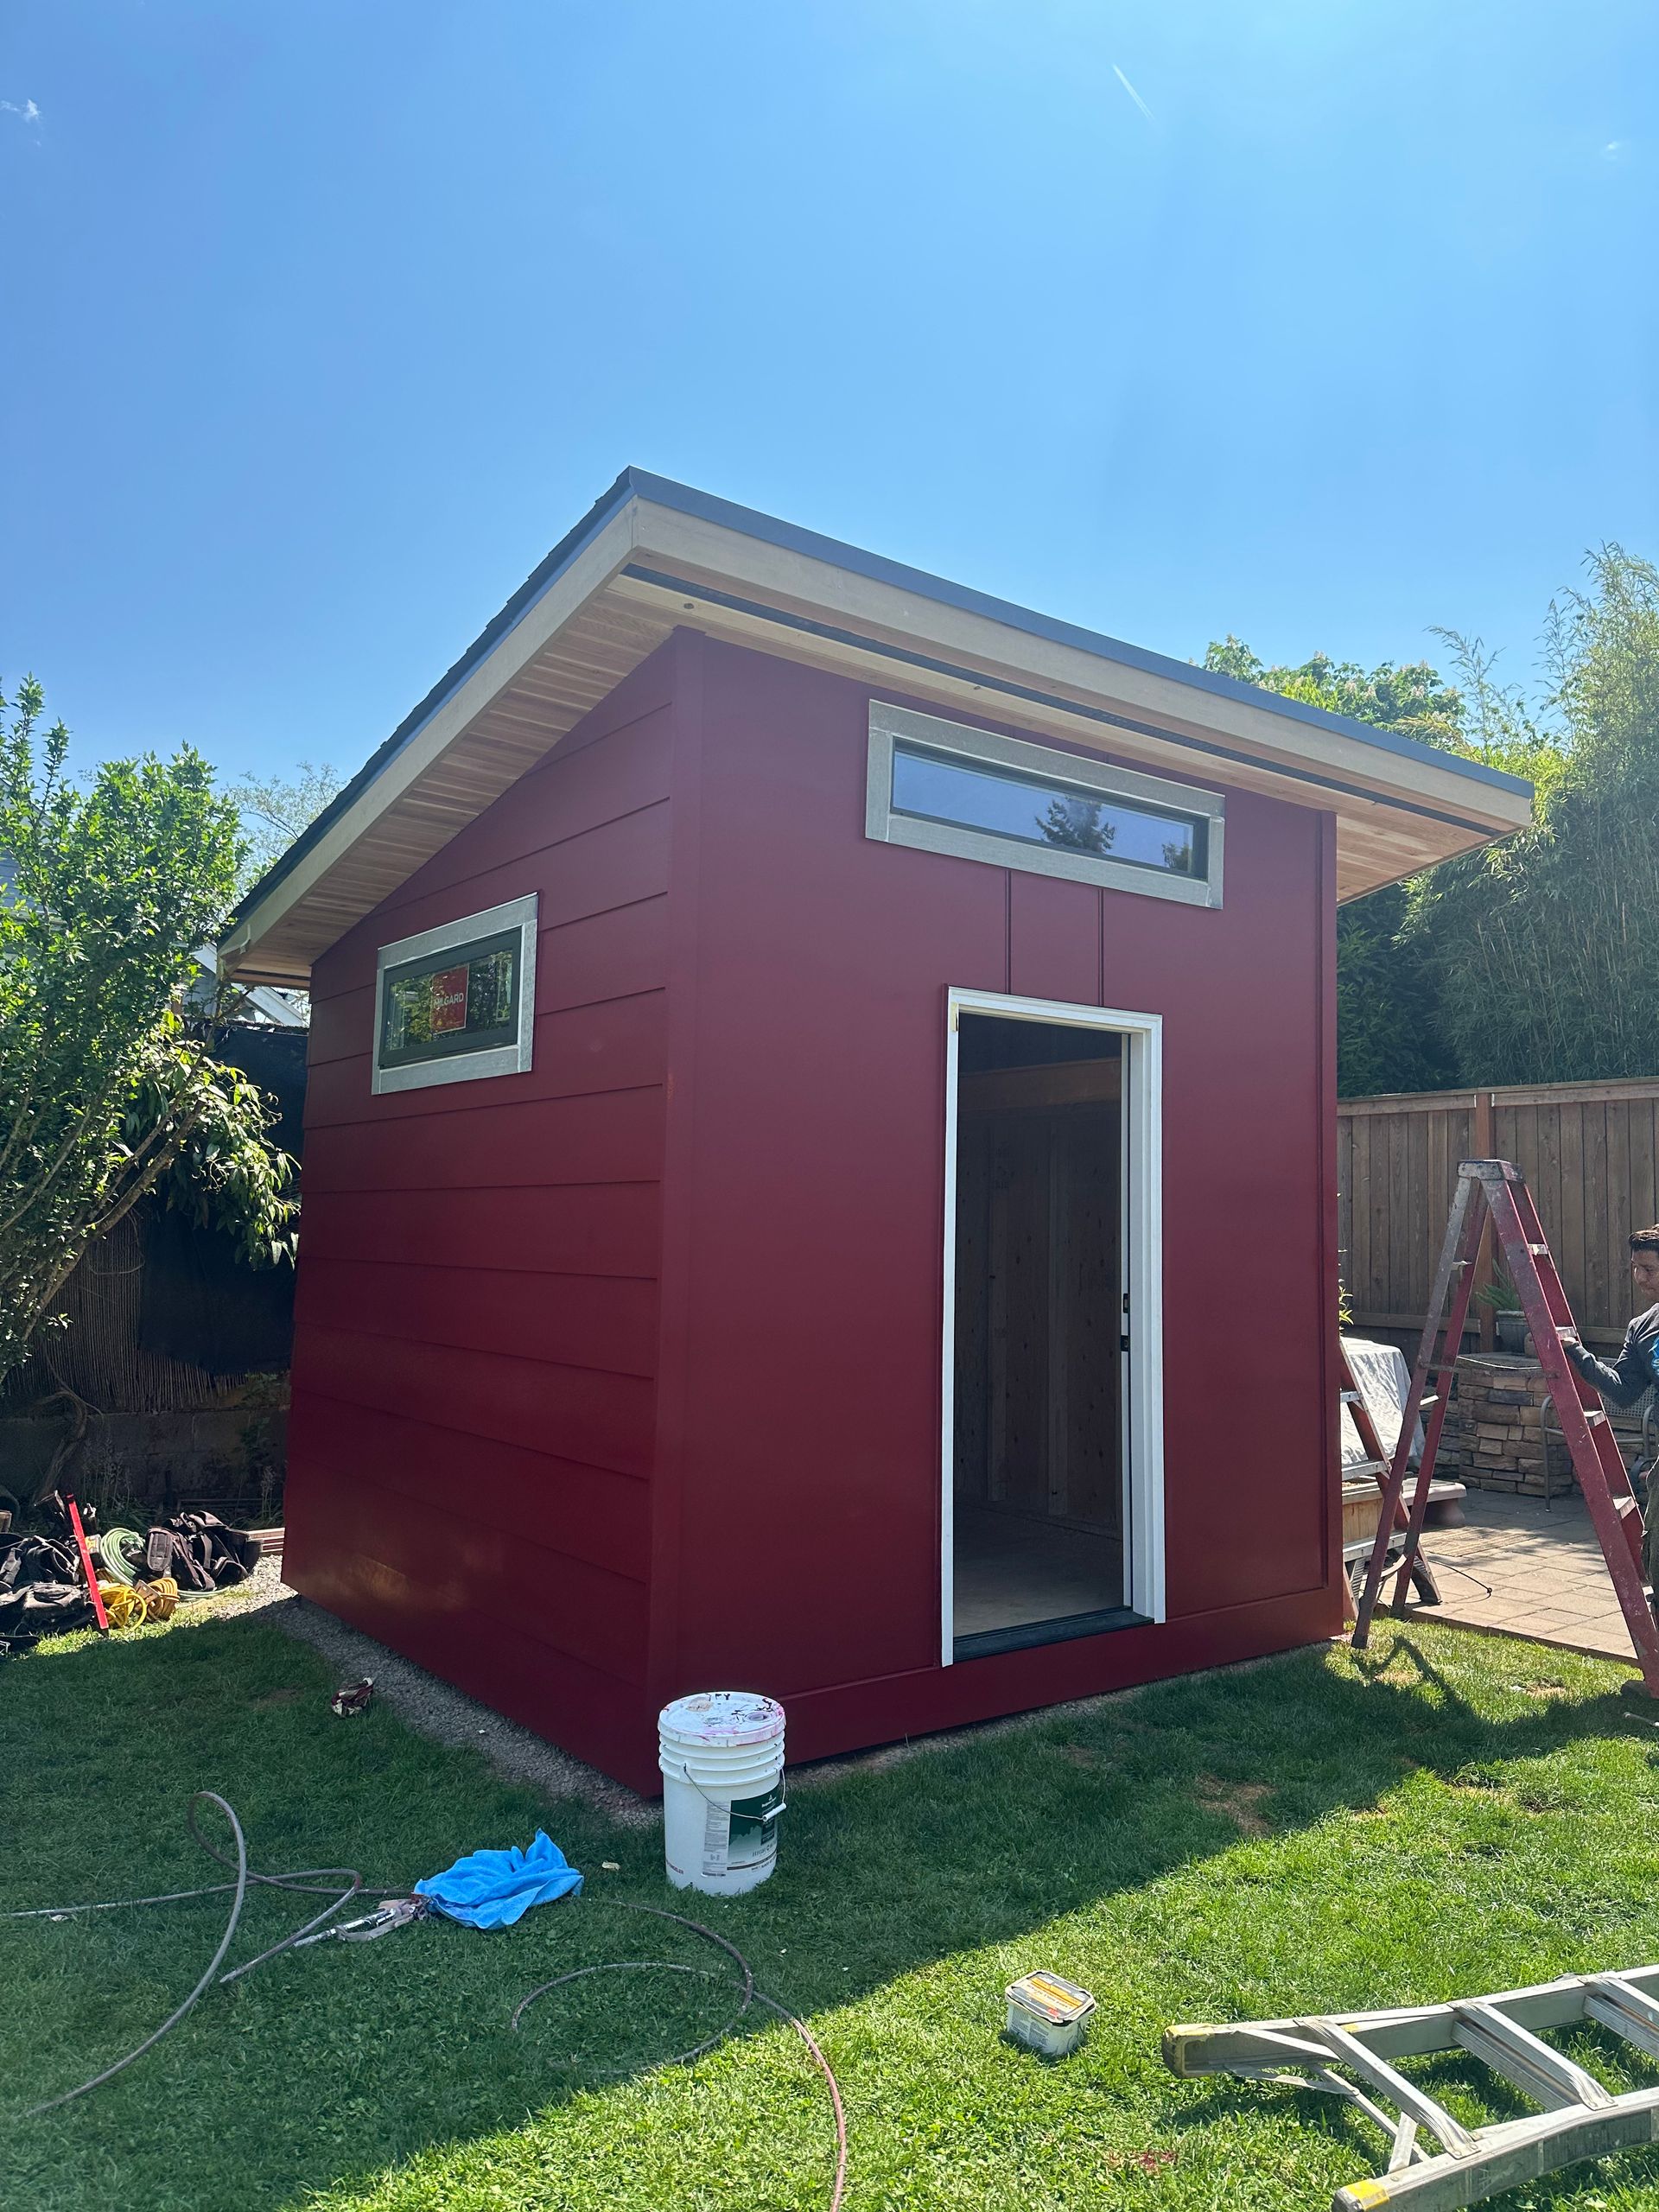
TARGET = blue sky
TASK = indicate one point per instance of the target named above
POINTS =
(324, 319)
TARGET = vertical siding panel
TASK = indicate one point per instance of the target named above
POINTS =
(1054, 940)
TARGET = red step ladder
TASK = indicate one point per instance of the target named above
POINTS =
(1587, 1432)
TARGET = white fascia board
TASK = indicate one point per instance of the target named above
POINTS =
(777, 572)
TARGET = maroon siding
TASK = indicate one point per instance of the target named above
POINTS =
(476, 1346)
(622, 1377)
(808, 1505)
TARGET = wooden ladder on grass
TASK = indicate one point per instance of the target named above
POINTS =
(1585, 1428)
(1579, 2118)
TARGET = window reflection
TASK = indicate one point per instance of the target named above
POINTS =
(1039, 812)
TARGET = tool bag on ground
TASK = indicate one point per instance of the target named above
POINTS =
(200, 1552)
(41, 1592)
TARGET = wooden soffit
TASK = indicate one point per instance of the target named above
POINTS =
(653, 555)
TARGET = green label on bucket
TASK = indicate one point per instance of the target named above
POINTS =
(754, 1828)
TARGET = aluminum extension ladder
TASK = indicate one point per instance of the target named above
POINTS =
(1580, 2119)
(1588, 1433)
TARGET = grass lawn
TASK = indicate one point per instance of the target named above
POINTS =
(1463, 1815)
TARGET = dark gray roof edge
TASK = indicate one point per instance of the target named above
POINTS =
(704, 504)
(748, 522)
(540, 580)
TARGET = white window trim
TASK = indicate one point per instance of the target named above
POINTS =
(882, 823)
(1143, 1255)
(495, 1059)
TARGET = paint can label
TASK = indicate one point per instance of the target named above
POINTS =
(754, 1828)
(744, 1837)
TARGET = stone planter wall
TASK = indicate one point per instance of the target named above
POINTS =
(1492, 1438)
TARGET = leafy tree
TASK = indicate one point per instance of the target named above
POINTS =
(1535, 960)
(1415, 700)
(1389, 1035)
(105, 1096)
(1545, 949)
(274, 811)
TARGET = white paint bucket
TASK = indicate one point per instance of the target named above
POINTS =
(722, 1754)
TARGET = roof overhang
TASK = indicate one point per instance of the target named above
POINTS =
(653, 555)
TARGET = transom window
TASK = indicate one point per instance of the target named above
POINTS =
(947, 788)
(458, 1001)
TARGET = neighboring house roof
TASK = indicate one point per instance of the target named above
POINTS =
(275, 1010)
(653, 555)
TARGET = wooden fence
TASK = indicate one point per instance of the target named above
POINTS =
(1590, 1153)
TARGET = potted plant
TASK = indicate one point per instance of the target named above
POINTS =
(1508, 1321)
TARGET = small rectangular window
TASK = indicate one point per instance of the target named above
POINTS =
(457, 1002)
(950, 789)
(1044, 811)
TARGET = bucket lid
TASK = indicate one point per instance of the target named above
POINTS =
(1050, 1999)
(722, 1718)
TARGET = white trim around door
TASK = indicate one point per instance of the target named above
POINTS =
(1142, 1244)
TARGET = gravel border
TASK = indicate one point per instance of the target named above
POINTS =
(447, 1715)
(438, 1710)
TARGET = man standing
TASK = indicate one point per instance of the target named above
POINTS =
(1623, 1380)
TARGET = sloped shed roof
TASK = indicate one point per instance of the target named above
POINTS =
(653, 555)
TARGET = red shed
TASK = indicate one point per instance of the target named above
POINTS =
(819, 1149)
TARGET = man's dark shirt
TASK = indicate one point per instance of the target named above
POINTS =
(1635, 1369)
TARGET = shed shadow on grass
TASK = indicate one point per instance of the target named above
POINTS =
(343, 2062)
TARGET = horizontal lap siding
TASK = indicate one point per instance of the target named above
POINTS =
(590, 1414)
(615, 1045)
(475, 1355)
(410, 1576)
(598, 1229)
(608, 1323)
(597, 1137)
(612, 955)
(596, 1515)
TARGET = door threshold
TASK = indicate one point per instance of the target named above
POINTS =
(992, 1641)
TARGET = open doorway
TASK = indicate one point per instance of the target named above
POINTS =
(1041, 1504)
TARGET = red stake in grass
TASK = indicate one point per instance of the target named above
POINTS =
(86, 1564)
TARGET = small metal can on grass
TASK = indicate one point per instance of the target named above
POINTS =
(1047, 2015)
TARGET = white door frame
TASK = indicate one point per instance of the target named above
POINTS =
(1142, 1249)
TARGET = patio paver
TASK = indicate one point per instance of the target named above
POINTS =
(1542, 1567)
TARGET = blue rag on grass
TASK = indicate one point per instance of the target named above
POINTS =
(492, 1889)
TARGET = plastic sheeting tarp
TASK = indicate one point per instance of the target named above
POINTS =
(492, 1889)
(1384, 1380)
